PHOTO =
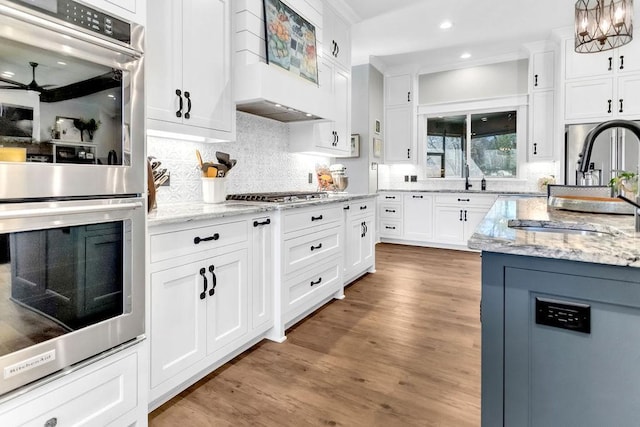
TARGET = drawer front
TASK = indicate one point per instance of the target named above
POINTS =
(306, 290)
(300, 219)
(391, 211)
(307, 250)
(186, 242)
(362, 207)
(465, 199)
(98, 398)
(391, 229)
(390, 197)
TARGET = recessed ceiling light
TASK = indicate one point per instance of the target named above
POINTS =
(62, 63)
(465, 55)
(111, 96)
(445, 25)
(8, 73)
(484, 119)
(309, 115)
(278, 105)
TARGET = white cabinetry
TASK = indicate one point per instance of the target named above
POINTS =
(390, 215)
(130, 10)
(105, 392)
(417, 213)
(601, 86)
(359, 238)
(541, 105)
(336, 38)
(188, 69)
(399, 133)
(456, 216)
(209, 296)
(310, 272)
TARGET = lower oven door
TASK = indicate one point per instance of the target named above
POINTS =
(71, 283)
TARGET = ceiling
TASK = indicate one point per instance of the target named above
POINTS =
(402, 32)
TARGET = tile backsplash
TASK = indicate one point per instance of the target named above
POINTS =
(264, 161)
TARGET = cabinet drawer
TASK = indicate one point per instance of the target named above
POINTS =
(390, 211)
(390, 229)
(306, 250)
(462, 199)
(300, 219)
(390, 197)
(307, 289)
(362, 207)
(185, 242)
(97, 398)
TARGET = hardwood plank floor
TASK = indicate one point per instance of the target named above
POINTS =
(403, 349)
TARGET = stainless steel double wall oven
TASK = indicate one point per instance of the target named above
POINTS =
(72, 185)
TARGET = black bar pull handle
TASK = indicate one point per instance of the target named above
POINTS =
(346, 208)
(535, 148)
(316, 218)
(408, 153)
(363, 207)
(319, 246)
(179, 112)
(362, 229)
(535, 80)
(187, 115)
(609, 102)
(317, 282)
(203, 294)
(621, 62)
(390, 197)
(610, 63)
(460, 219)
(366, 229)
(197, 240)
(390, 210)
(408, 96)
(621, 110)
(464, 200)
(214, 280)
(465, 215)
(389, 228)
(265, 222)
(417, 197)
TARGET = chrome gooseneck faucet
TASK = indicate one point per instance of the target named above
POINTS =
(585, 155)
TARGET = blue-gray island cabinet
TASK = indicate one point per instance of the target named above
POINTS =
(560, 335)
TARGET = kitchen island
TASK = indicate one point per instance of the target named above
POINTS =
(560, 316)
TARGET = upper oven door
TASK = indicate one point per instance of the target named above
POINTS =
(71, 109)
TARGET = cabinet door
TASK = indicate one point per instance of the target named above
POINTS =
(590, 99)
(543, 70)
(398, 144)
(398, 90)
(337, 39)
(580, 65)
(163, 57)
(471, 218)
(178, 339)
(262, 273)
(628, 99)
(353, 254)
(541, 137)
(627, 59)
(448, 222)
(418, 217)
(368, 242)
(227, 318)
(342, 99)
(206, 36)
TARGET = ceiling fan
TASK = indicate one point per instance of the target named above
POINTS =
(79, 89)
(31, 86)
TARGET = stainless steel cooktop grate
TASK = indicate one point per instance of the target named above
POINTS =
(279, 197)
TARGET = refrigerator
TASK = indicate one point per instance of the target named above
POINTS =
(615, 149)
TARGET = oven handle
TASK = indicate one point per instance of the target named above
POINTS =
(62, 29)
(36, 212)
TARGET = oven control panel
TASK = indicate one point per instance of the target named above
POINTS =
(82, 16)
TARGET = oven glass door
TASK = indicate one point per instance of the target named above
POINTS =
(68, 285)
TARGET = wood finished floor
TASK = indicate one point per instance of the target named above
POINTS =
(402, 349)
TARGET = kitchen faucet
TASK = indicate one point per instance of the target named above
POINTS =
(467, 185)
(585, 155)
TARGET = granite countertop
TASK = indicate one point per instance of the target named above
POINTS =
(612, 238)
(498, 192)
(176, 213)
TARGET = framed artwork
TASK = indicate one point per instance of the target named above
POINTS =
(355, 145)
(377, 147)
(65, 129)
(290, 40)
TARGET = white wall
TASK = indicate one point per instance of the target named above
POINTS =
(264, 163)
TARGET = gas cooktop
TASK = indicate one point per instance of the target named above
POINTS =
(279, 197)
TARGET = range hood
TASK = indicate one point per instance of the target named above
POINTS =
(268, 91)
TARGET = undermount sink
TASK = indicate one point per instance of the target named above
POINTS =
(552, 227)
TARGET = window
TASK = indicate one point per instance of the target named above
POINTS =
(489, 145)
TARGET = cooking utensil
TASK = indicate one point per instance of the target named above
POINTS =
(161, 180)
(224, 159)
(200, 160)
(212, 172)
(158, 173)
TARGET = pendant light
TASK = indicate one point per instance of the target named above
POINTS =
(603, 24)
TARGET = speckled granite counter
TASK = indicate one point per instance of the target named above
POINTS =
(185, 212)
(404, 190)
(611, 240)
